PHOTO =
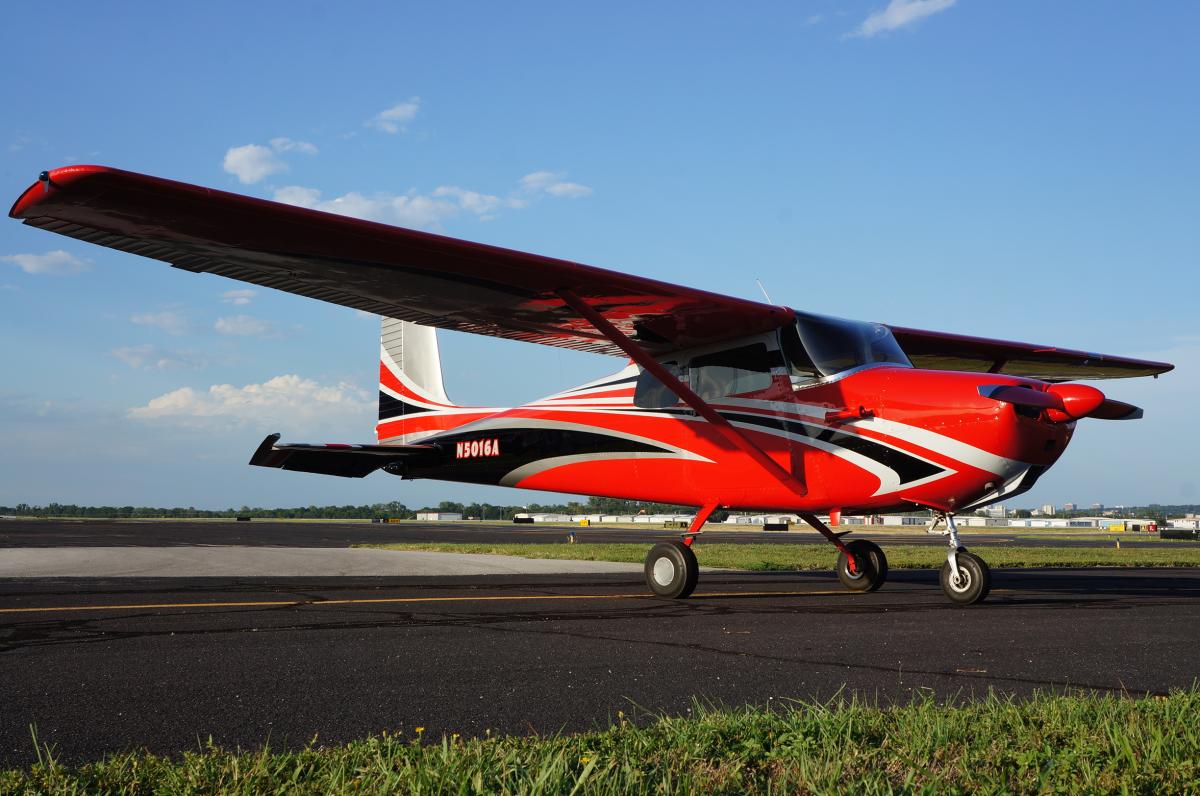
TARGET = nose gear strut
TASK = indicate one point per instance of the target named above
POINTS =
(965, 577)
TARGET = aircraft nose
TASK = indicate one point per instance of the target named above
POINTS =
(1062, 403)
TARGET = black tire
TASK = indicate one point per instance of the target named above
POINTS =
(976, 580)
(671, 570)
(871, 564)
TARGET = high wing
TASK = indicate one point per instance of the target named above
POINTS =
(454, 284)
(945, 351)
(400, 273)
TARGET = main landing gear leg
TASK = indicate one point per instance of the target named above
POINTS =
(861, 565)
(965, 578)
(671, 568)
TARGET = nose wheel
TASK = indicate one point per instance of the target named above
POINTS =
(965, 577)
(971, 583)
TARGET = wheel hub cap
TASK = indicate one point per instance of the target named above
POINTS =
(664, 572)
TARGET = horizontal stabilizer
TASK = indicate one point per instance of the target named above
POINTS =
(348, 461)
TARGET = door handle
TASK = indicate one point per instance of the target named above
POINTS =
(847, 415)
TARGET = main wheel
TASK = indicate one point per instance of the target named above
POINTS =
(973, 583)
(671, 570)
(870, 566)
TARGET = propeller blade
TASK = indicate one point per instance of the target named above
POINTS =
(1022, 396)
(1117, 410)
(1063, 403)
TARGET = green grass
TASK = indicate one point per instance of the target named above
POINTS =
(1050, 744)
(787, 557)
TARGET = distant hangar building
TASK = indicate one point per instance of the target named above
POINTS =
(439, 516)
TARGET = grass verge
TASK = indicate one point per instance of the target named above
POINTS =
(1050, 744)
(770, 557)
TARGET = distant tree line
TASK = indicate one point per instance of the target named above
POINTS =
(483, 511)
(375, 510)
(394, 509)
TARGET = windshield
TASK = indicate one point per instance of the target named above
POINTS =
(820, 346)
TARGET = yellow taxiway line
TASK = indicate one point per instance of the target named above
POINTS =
(404, 600)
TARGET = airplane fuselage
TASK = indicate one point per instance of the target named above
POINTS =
(872, 439)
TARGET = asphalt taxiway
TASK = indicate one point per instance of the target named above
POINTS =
(274, 533)
(102, 664)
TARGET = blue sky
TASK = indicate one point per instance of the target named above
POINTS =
(1024, 170)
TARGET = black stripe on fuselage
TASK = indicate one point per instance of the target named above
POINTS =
(518, 447)
(390, 407)
(909, 468)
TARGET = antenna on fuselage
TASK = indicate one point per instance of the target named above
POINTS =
(764, 291)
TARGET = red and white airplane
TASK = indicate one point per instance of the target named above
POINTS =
(723, 403)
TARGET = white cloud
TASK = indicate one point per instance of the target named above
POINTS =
(168, 321)
(409, 210)
(552, 182)
(298, 195)
(570, 190)
(396, 118)
(250, 163)
(480, 204)
(53, 262)
(244, 326)
(899, 14)
(253, 162)
(428, 211)
(238, 298)
(148, 357)
(289, 396)
(288, 145)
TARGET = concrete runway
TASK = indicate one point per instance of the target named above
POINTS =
(232, 561)
(103, 664)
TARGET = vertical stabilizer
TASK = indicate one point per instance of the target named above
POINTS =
(410, 380)
(411, 353)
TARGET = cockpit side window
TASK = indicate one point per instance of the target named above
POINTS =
(819, 346)
(800, 365)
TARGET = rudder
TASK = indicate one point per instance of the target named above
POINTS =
(410, 377)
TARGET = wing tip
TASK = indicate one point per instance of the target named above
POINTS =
(49, 181)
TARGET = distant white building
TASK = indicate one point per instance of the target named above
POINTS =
(439, 516)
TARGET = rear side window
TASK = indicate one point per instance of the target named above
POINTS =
(721, 374)
(731, 372)
(651, 393)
